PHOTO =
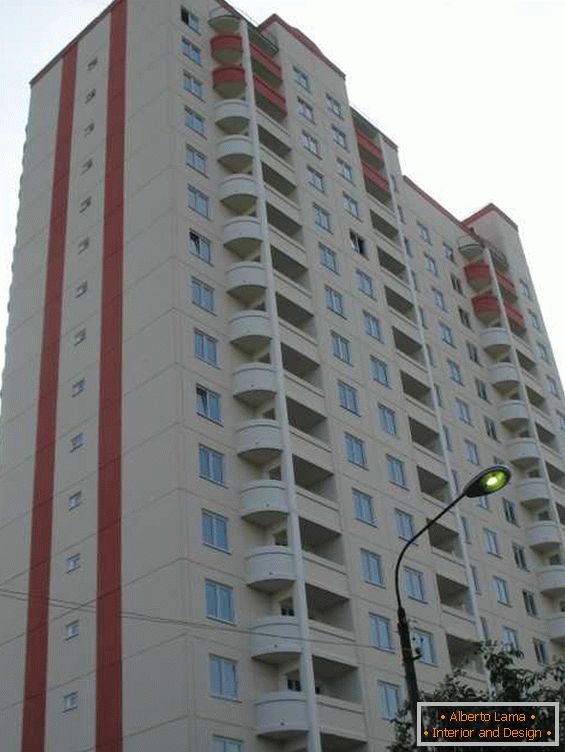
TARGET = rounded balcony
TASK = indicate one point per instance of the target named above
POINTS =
(504, 376)
(532, 492)
(275, 639)
(552, 579)
(270, 568)
(223, 22)
(254, 383)
(556, 627)
(280, 715)
(523, 452)
(495, 341)
(250, 331)
(258, 440)
(243, 235)
(470, 248)
(542, 535)
(246, 281)
(477, 275)
(486, 307)
(226, 48)
(513, 414)
(229, 81)
(263, 502)
(232, 115)
(239, 193)
(235, 153)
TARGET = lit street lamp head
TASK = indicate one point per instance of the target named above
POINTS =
(487, 481)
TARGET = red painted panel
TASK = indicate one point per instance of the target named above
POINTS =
(368, 145)
(478, 270)
(486, 303)
(260, 57)
(506, 283)
(228, 74)
(273, 96)
(35, 687)
(226, 42)
(375, 177)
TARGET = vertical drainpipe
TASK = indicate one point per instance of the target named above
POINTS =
(300, 603)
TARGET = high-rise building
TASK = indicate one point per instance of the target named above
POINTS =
(246, 359)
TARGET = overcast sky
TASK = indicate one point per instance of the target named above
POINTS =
(471, 90)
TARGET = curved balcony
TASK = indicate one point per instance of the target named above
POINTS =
(486, 307)
(523, 452)
(504, 376)
(477, 275)
(532, 492)
(258, 440)
(281, 715)
(246, 281)
(239, 193)
(269, 100)
(552, 579)
(506, 285)
(543, 534)
(223, 22)
(235, 153)
(243, 235)
(513, 414)
(263, 502)
(495, 340)
(250, 330)
(232, 115)
(254, 383)
(470, 248)
(229, 81)
(270, 568)
(226, 48)
(556, 627)
(275, 639)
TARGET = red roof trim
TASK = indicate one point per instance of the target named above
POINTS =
(301, 37)
(486, 210)
(437, 205)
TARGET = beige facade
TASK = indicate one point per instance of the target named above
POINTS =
(315, 357)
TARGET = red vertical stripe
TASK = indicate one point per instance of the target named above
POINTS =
(109, 595)
(35, 688)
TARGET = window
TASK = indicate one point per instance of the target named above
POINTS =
(194, 121)
(348, 397)
(333, 105)
(454, 372)
(534, 320)
(446, 334)
(301, 78)
(215, 530)
(339, 137)
(78, 387)
(88, 129)
(196, 160)
(519, 554)
(423, 232)
(481, 388)
(543, 353)
(389, 696)
(387, 420)
(476, 580)
(371, 568)
(465, 319)
(202, 295)
(525, 289)
(351, 206)
(223, 678)
(401, 213)
(439, 299)
(191, 51)
(86, 166)
(77, 442)
(448, 252)
(305, 110)
(552, 385)
(74, 500)
(491, 542)
(561, 420)
(341, 348)
(472, 452)
(456, 284)
(365, 283)
(81, 289)
(322, 218)
(198, 201)
(355, 450)
(425, 645)
(334, 300)
(463, 411)
(223, 744)
(490, 428)
(501, 590)
(381, 634)
(430, 353)
(540, 650)
(90, 96)
(316, 179)
(84, 204)
(407, 247)
(510, 638)
(396, 471)
(72, 629)
(485, 628)
(364, 507)
(473, 353)
(73, 562)
(530, 603)
(328, 258)
(358, 244)
(188, 18)
(430, 265)
(208, 404)
(422, 315)
(219, 602)
(345, 170)
(200, 247)
(211, 465)
(70, 701)
(404, 524)
(205, 347)
(414, 584)
(372, 326)
(83, 245)
(92, 64)
(380, 371)
(439, 398)
(192, 85)
(509, 511)
(484, 502)
(310, 143)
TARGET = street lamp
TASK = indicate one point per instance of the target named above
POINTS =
(486, 482)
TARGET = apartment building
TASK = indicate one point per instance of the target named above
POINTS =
(246, 359)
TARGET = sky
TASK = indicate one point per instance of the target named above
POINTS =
(470, 90)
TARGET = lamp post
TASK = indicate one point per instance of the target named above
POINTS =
(488, 481)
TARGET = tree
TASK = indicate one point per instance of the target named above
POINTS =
(508, 682)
